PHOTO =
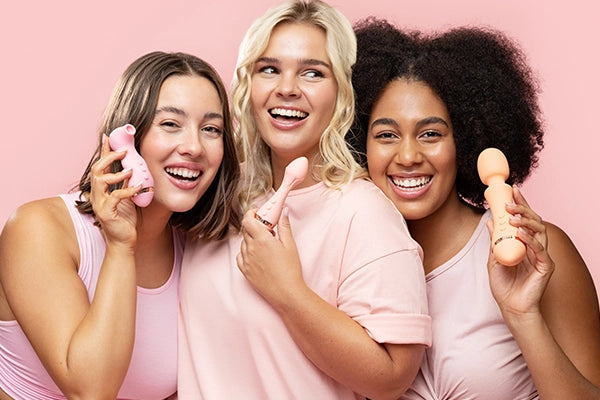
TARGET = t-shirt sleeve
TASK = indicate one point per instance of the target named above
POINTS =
(387, 297)
(382, 285)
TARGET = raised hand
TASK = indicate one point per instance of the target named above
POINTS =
(518, 289)
(115, 212)
(271, 264)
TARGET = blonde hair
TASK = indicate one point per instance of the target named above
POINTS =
(339, 166)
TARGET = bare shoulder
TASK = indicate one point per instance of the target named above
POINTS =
(37, 228)
(37, 239)
(569, 263)
(570, 304)
(45, 215)
(571, 275)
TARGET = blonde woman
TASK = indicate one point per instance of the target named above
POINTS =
(333, 306)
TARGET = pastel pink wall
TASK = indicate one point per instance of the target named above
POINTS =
(60, 60)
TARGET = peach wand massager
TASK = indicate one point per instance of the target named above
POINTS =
(493, 171)
(122, 139)
(294, 173)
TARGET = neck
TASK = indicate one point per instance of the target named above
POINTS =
(153, 225)
(154, 251)
(445, 232)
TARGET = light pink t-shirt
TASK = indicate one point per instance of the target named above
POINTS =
(474, 355)
(356, 254)
(152, 371)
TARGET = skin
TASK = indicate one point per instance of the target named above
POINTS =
(293, 74)
(86, 347)
(329, 338)
(547, 300)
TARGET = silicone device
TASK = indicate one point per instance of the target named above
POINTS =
(493, 172)
(122, 139)
(294, 173)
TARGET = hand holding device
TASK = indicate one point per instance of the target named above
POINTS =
(493, 171)
(122, 139)
(294, 173)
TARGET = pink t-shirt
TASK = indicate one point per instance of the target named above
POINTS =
(356, 253)
(152, 371)
(474, 355)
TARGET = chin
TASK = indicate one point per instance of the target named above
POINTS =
(178, 205)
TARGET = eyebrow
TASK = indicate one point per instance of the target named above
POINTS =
(179, 111)
(170, 109)
(422, 122)
(302, 61)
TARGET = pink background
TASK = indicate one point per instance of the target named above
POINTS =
(61, 59)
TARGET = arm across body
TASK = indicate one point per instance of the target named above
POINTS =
(551, 307)
(330, 338)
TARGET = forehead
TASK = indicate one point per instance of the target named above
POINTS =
(296, 39)
(409, 98)
(189, 91)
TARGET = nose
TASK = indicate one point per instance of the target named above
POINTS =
(408, 152)
(191, 143)
(287, 86)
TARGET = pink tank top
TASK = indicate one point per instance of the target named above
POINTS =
(152, 372)
(474, 355)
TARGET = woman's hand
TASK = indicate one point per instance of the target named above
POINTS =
(518, 289)
(270, 263)
(114, 210)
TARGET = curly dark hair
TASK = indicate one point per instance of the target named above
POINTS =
(479, 73)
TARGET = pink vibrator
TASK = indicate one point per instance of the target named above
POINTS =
(122, 139)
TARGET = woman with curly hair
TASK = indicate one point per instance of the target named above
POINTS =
(336, 309)
(426, 107)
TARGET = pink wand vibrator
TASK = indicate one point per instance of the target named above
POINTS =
(122, 139)
(294, 173)
(493, 172)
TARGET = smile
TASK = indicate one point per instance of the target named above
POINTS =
(411, 183)
(287, 113)
(183, 173)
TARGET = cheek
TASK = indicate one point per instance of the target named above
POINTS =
(258, 93)
(377, 159)
(150, 149)
(215, 153)
(448, 161)
(327, 99)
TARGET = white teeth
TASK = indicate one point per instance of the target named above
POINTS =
(411, 183)
(284, 112)
(183, 172)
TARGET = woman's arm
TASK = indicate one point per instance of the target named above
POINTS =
(85, 347)
(332, 340)
(550, 305)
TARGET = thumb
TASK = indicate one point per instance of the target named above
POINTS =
(284, 229)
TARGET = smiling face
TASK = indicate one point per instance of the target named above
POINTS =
(184, 145)
(293, 91)
(410, 149)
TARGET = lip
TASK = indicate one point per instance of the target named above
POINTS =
(410, 193)
(185, 184)
(285, 125)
